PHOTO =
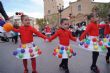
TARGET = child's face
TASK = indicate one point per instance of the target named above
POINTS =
(65, 24)
(26, 21)
(94, 19)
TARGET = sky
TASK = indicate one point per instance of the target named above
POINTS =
(33, 8)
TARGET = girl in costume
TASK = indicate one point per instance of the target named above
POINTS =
(92, 42)
(107, 36)
(64, 50)
(47, 31)
(27, 49)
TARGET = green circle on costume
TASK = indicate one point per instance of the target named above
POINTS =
(21, 56)
(68, 52)
(103, 48)
(36, 49)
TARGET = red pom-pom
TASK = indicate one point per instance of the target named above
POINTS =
(60, 56)
(39, 52)
(85, 45)
(54, 53)
(94, 39)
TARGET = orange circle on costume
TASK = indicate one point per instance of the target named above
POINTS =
(7, 27)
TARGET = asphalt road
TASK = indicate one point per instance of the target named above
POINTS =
(47, 63)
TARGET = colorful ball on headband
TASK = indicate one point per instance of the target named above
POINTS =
(2, 22)
(7, 27)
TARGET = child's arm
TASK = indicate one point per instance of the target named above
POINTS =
(39, 34)
(16, 30)
(85, 32)
(102, 25)
(71, 37)
(54, 36)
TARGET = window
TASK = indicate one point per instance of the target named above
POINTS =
(48, 11)
(79, 7)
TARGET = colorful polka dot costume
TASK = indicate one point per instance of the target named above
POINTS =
(27, 51)
(94, 44)
(64, 52)
(107, 40)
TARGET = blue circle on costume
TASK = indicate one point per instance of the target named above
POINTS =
(62, 48)
(61, 51)
(88, 42)
(2, 22)
(81, 43)
(107, 36)
(34, 45)
(19, 50)
(15, 53)
(74, 53)
(22, 51)
(108, 43)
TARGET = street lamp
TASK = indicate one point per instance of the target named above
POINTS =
(60, 10)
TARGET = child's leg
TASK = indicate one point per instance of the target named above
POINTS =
(94, 58)
(33, 62)
(25, 65)
(66, 65)
(62, 63)
(108, 55)
(94, 61)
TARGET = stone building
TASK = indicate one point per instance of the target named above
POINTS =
(77, 11)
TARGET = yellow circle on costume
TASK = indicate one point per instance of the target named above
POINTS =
(96, 47)
(105, 39)
(57, 50)
(24, 46)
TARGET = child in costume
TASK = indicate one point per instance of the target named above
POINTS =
(107, 36)
(27, 49)
(47, 30)
(64, 50)
(91, 42)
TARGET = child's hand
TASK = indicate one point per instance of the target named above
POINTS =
(78, 41)
(46, 40)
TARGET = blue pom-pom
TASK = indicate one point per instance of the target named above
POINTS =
(88, 42)
(15, 53)
(2, 22)
(74, 53)
(62, 48)
(108, 43)
(34, 45)
(22, 51)
(107, 36)
(61, 51)
(81, 43)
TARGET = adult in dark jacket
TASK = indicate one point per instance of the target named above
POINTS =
(2, 11)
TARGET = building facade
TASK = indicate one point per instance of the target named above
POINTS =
(51, 10)
(77, 11)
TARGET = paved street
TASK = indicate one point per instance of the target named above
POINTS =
(47, 63)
